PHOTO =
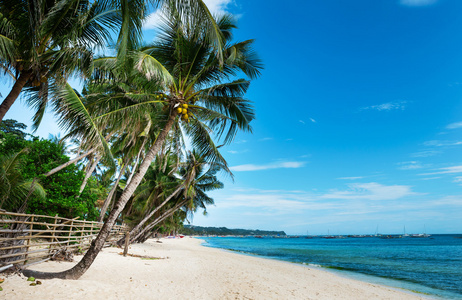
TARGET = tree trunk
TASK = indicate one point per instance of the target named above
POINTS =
(82, 266)
(88, 174)
(141, 223)
(111, 193)
(167, 214)
(59, 168)
(14, 93)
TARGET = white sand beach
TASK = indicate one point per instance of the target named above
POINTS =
(191, 271)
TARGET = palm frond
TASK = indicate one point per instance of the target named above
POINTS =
(73, 113)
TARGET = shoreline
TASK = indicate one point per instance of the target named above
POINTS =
(348, 274)
(186, 269)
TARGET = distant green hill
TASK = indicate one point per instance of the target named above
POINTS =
(198, 230)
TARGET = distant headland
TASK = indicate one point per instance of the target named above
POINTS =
(199, 230)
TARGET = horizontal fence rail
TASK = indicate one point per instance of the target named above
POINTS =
(27, 239)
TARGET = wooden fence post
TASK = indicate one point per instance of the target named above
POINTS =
(53, 233)
(29, 239)
(70, 233)
(91, 233)
(127, 242)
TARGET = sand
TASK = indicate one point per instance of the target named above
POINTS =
(188, 270)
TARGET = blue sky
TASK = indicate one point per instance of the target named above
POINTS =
(359, 118)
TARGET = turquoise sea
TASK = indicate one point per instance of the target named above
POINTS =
(431, 265)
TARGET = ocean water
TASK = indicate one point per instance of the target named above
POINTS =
(430, 265)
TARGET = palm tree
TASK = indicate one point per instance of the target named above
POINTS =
(43, 42)
(14, 189)
(187, 66)
(198, 177)
(159, 185)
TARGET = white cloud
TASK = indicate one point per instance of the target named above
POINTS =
(216, 7)
(351, 178)
(237, 152)
(430, 178)
(312, 120)
(447, 170)
(410, 165)
(387, 106)
(458, 180)
(280, 165)
(301, 121)
(425, 153)
(371, 191)
(438, 143)
(275, 201)
(454, 125)
(265, 139)
(418, 2)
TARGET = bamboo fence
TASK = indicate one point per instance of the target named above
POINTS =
(27, 239)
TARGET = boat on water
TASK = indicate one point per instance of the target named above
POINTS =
(405, 235)
(419, 235)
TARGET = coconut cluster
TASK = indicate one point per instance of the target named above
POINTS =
(183, 111)
(161, 96)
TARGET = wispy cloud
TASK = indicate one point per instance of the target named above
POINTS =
(454, 125)
(447, 170)
(312, 120)
(351, 178)
(458, 180)
(279, 165)
(371, 191)
(410, 165)
(301, 121)
(418, 2)
(265, 139)
(216, 7)
(439, 143)
(430, 178)
(360, 204)
(425, 153)
(237, 152)
(401, 105)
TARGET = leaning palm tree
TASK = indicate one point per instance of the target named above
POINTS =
(198, 178)
(43, 42)
(197, 94)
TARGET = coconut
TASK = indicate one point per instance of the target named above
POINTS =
(185, 105)
(179, 110)
(185, 111)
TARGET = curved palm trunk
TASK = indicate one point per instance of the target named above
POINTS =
(137, 160)
(111, 193)
(88, 174)
(145, 219)
(167, 214)
(14, 93)
(97, 244)
(72, 161)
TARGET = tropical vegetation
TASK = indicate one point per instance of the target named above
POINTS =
(145, 127)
